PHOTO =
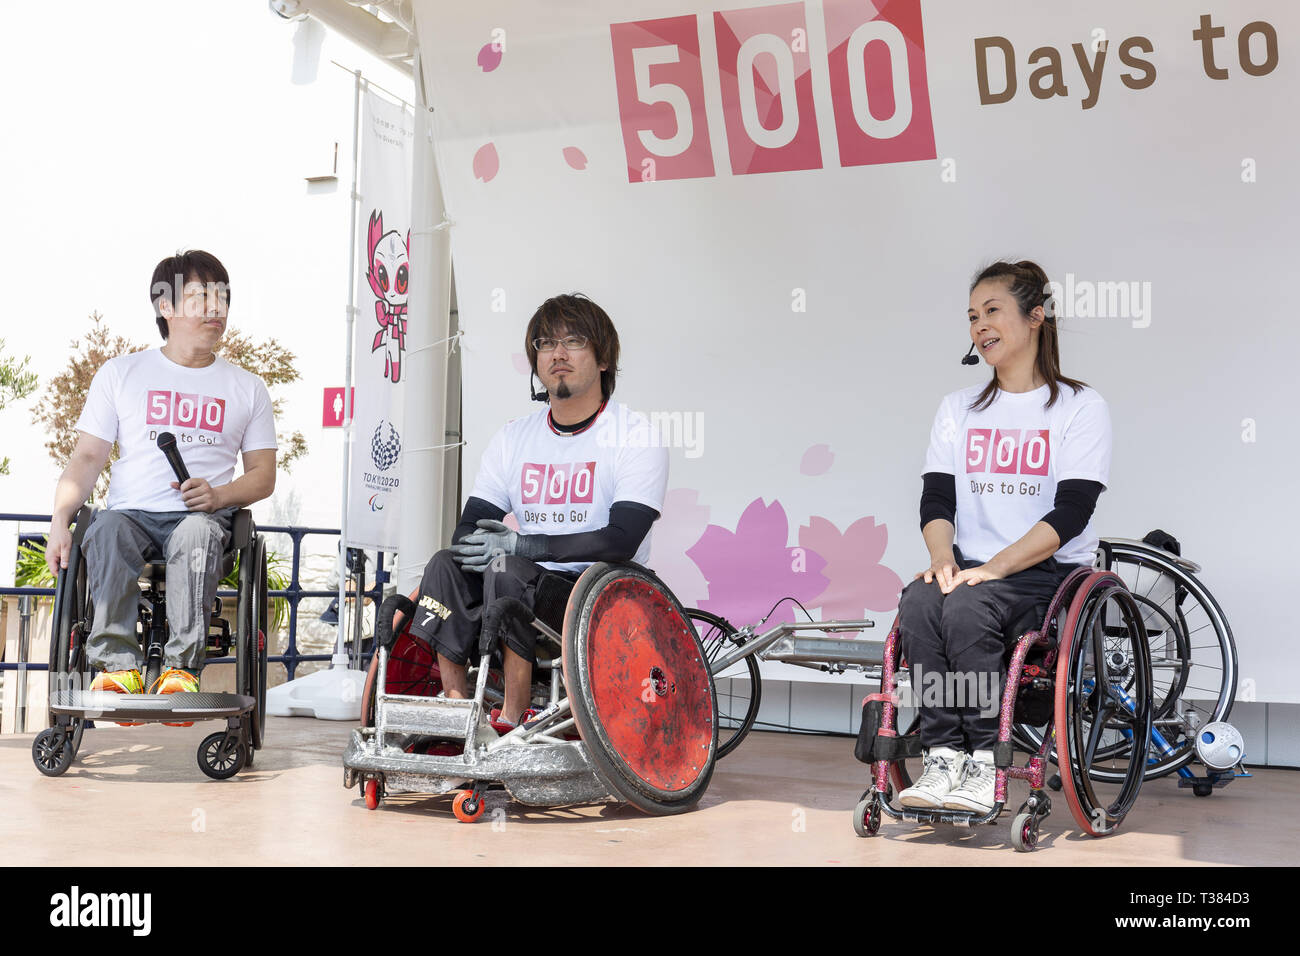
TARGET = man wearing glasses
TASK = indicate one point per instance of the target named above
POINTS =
(584, 479)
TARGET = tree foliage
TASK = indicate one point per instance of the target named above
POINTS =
(65, 395)
(16, 383)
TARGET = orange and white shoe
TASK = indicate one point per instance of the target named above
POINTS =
(176, 681)
(119, 682)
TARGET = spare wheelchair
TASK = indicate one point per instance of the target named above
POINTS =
(1083, 678)
(72, 705)
(628, 710)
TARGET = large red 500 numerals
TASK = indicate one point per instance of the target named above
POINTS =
(875, 64)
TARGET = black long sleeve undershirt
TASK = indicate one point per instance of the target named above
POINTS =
(1075, 501)
(629, 523)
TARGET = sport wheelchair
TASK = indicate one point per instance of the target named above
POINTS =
(1088, 685)
(72, 706)
(628, 706)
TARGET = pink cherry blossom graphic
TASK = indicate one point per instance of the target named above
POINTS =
(817, 460)
(858, 582)
(750, 569)
(680, 525)
(520, 361)
(575, 157)
(510, 521)
(486, 163)
(489, 57)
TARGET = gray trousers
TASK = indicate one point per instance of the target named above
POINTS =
(118, 544)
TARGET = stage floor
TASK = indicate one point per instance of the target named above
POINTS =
(778, 800)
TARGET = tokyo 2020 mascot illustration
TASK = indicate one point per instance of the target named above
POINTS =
(388, 256)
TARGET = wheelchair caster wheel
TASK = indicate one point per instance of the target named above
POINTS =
(221, 756)
(52, 752)
(1024, 832)
(467, 806)
(866, 815)
(1203, 789)
(372, 793)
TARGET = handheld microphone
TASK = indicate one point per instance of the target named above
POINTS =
(969, 359)
(167, 445)
(542, 396)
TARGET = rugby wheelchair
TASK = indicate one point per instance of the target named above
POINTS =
(72, 705)
(626, 697)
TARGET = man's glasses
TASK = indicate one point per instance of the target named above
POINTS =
(571, 343)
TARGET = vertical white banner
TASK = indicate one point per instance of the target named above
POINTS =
(380, 337)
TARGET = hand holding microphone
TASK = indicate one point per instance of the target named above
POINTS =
(196, 492)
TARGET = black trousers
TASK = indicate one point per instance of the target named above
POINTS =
(955, 645)
(449, 610)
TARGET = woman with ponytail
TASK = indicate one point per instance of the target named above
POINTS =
(1011, 479)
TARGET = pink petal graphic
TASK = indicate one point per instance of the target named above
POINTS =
(489, 57)
(486, 163)
(510, 521)
(858, 582)
(575, 157)
(680, 525)
(750, 569)
(520, 361)
(817, 460)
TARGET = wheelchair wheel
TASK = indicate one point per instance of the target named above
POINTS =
(1193, 655)
(1104, 702)
(738, 707)
(250, 638)
(640, 689)
(53, 752)
(221, 755)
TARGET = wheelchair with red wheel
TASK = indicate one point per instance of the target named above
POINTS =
(1083, 679)
(72, 705)
(626, 705)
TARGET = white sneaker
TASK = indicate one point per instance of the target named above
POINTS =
(976, 791)
(944, 768)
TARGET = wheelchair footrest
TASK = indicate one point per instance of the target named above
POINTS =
(430, 716)
(149, 707)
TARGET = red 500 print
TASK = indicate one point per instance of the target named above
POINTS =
(875, 63)
(1008, 451)
(572, 483)
(185, 410)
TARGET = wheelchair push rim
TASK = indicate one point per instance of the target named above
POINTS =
(1104, 702)
(640, 689)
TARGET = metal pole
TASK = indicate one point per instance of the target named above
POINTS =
(24, 645)
(347, 376)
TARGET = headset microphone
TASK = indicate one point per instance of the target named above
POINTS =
(542, 396)
(970, 358)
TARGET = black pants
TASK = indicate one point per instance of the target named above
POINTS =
(955, 645)
(449, 611)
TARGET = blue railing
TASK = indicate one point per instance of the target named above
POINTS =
(294, 593)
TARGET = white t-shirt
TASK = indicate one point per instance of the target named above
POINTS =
(215, 413)
(565, 484)
(1008, 459)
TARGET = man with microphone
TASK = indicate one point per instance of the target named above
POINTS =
(214, 412)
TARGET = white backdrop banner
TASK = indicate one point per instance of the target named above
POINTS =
(379, 339)
(781, 206)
